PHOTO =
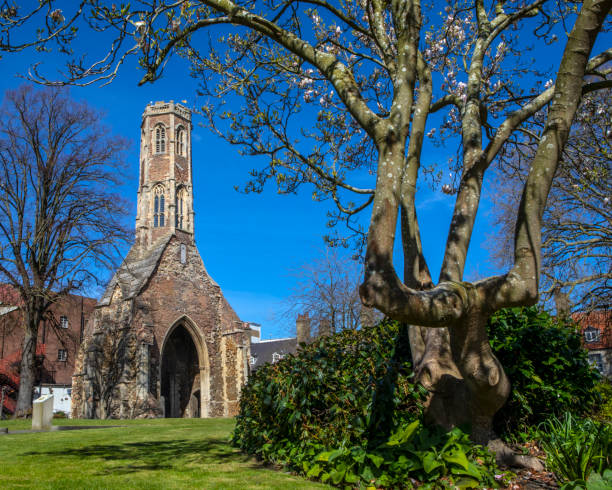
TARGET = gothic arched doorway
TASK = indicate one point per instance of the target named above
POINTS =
(180, 369)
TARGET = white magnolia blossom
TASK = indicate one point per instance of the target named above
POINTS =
(501, 49)
(57, 16)
(308, 95)
(305, 82)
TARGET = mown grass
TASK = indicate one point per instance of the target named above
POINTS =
(162, 453)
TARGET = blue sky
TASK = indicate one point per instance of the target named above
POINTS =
(249, 243)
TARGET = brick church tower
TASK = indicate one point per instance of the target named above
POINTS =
(165, 193)
(163, 341)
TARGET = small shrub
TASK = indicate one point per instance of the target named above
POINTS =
(576, 447)
(414, 453)
(599, 482)
(547, 366)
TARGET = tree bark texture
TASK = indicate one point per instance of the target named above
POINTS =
(27, 367)
(451, 350)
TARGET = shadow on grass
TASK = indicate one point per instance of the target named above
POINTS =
(156, 455)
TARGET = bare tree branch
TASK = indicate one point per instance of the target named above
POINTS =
(60, 216)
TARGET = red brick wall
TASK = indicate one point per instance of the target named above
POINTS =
(602, 320)
(52, 335)
(181, 175)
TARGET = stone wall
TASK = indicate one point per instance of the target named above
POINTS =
(118, 373)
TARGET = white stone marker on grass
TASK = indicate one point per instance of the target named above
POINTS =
(42, 413)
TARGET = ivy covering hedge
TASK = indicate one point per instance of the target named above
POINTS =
(346, 410)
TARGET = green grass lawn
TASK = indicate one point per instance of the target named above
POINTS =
(161, 453)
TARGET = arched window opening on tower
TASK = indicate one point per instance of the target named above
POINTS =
(160, 139)
(181, 208)
(159, 204)
(180, 141)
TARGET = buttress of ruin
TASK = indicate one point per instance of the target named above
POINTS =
(162, 341)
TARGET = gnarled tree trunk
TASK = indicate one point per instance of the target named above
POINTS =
(466, 382)
(451, 350)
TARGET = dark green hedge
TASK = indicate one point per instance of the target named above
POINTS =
(351, 388)
(346, 410)
(547, 366)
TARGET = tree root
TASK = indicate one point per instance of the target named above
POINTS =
(506, 456)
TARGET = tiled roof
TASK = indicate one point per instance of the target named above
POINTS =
(263, 351)
(135, 271)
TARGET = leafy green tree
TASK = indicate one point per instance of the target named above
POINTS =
(370, 73)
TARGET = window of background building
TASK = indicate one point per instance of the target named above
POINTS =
(62, 354)
(159, 205)
(591, 334)
(180, 141)
(596, 361)
(63, 321)
(181, 208)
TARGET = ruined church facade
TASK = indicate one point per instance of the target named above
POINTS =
(163, 341)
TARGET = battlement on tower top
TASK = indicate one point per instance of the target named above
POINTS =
(161, 107)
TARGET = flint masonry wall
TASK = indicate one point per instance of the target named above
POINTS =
(118, 369)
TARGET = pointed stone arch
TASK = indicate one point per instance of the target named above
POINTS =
(200, 385)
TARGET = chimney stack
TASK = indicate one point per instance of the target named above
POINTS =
(302, 327)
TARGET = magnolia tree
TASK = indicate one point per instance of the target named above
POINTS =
(335, 92)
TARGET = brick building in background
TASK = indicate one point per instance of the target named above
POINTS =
(59, 338)
(596, 329)
(163, 341)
